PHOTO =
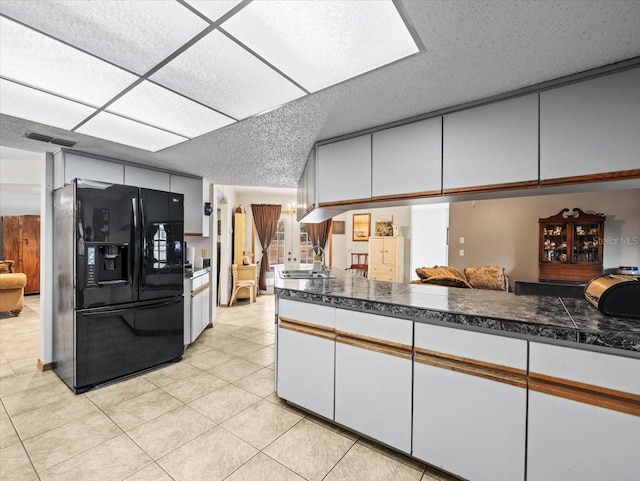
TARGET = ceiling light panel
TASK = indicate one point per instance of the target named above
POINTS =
(218, 72)
(124, 131)
(31, 104)
(213, 10)
(319, 44)
(158, 106)
(39, 61)
(135, 34)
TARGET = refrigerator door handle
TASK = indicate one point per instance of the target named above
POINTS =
(135, 258)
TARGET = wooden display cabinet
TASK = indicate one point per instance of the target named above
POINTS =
(571, 246)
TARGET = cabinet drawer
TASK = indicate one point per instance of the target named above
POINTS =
(383, 277)
(310, 313)
(375, 326)
(383, 269)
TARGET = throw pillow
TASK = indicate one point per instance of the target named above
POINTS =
(6, 267)
(486, 277)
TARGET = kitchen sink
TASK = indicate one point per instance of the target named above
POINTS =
(303, 274)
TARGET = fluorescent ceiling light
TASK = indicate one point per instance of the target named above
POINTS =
(321, 43)
(124, 131)
(213, 10)
(135, 34)
(39, 61)
(158, 106)
(219, 73)
(31, 104)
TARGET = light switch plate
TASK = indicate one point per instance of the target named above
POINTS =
(461, 252)
(461, 240)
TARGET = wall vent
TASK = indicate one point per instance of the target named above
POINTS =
(48, 139)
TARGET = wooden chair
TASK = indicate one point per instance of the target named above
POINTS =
(245, 284)
(359, 264)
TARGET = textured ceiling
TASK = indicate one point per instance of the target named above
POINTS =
(473, 50)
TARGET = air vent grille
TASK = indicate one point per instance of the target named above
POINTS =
(48, 139)
(40, 137)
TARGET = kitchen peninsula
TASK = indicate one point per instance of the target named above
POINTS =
(485, 385)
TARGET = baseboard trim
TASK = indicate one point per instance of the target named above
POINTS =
(44, 367)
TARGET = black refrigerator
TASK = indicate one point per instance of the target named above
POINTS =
(118, 281)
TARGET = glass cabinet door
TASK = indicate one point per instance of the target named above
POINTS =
(554, 239)
(586, 238)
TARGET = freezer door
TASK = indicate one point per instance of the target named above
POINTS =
(105, 239)
(162, 266)
(114, 343)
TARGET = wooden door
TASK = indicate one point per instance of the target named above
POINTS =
(21, 243)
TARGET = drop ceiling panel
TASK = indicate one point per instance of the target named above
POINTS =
(39, 61)
(135, 34)
(158, 106)
(124, 131)
(221, 74)
(325, 42)
(31, 104)
(213, 10)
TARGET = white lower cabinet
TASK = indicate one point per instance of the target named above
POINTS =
(373, 376)
(468, 418)
(577, 435)
(306, 352)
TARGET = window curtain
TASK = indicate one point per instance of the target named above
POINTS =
(319, 233)
(265, 218)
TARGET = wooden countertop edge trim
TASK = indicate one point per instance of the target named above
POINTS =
(374, 344)
(612, 399)
(197, 291)
(492, 372)
(491, 187)
(605, 176)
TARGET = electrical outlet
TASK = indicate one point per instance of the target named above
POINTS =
(461, 252)
(461, 240)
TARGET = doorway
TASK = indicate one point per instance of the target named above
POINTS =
(290, 246)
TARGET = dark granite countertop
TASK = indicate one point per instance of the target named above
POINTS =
(565, 319)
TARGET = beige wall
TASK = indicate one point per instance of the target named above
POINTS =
(505, 231)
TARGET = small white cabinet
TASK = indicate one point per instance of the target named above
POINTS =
(197, 305)
(491, 146)
(146, 178)
(193, 206)
(386, 259)
(575, 432)
(374, 375)
(591, 127)
(344, 171)
(407, 160)
(467, 418)
(74, 166)
(306, 351)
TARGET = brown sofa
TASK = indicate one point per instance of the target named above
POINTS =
(11, 288)
(480, 277)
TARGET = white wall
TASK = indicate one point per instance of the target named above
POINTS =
(429, 236)
(343, 245)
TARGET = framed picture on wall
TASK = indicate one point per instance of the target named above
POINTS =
(338, 227)
(361, 227)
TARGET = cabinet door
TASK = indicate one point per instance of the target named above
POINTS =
(492, 146)
(81, 167)
(193, 206)
(305, 355)
(407, 160)
(591, 127)
(376, 250)
(373, 376)
(310, 179)
(390, 250)
(146, 178)
(206, 296)
(301, 195)
(467, 417)
(344, 170)
(575, 433)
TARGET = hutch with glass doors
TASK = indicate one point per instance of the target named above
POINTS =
(571, 246)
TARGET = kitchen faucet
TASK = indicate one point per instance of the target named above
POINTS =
(325, 269)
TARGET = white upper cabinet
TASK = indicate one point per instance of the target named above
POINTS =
(407, 160)
(193, 206)
(145, 178)
(81, 167)
(310, 181)
(591, 127)
(489, 146)
(344, 170)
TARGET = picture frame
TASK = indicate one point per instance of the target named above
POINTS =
(361, 227)
(338, 227)
(384, 225)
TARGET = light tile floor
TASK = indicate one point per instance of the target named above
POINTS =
(212, 416)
